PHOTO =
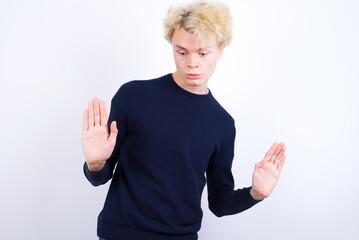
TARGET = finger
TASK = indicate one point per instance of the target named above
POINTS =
(258, 165)
(279, 158)
(269, 154)
(103, 113)
(113, 134)
(85, 121)
(96, 105)
(280, 165)
(276, 153)
(91, 117)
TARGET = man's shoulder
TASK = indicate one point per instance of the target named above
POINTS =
(140, 86)
(145, 83)
(222, 113)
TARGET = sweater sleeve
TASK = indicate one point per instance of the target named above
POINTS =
(119, 113)
(222, 198)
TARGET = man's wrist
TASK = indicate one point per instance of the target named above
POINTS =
(95, 167)
(255, 195)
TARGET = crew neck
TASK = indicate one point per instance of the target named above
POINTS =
(185, 92)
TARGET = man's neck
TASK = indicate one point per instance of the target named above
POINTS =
(200, 90)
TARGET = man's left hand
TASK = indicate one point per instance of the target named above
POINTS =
(266, 172)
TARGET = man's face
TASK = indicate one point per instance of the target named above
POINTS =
(195, 63)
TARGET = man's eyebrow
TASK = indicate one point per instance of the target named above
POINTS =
(200, 49)
(180, 47)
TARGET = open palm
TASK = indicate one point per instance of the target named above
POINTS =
(97, 144)
(266, 172)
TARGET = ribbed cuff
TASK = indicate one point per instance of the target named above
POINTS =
(95, 178)
(250, 197)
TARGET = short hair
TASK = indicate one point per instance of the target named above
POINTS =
(205, 20)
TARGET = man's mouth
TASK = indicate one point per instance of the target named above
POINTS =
(193, 76)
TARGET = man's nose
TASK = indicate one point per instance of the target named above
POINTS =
(193, 60)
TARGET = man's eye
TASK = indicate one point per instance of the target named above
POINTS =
(182, 53)
(203, 53)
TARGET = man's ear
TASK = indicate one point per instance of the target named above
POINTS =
(220, 53)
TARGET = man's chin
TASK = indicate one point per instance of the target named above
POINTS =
(195, 83)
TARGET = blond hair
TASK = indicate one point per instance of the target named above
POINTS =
(205, 20)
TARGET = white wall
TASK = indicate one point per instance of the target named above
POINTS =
(290, 74)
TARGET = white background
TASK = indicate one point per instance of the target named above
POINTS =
(291, 74)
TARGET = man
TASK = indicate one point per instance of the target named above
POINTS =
(169, 137)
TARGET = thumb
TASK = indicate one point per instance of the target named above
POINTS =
(113, 134)
(258, 165)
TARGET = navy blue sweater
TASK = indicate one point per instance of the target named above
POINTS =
(170, 143)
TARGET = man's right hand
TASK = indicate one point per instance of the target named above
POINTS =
(97, 143)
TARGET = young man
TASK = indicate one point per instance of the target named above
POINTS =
(169, 137)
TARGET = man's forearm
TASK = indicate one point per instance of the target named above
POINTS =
(231, 202)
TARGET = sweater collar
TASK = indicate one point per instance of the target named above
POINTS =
(188, 93)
